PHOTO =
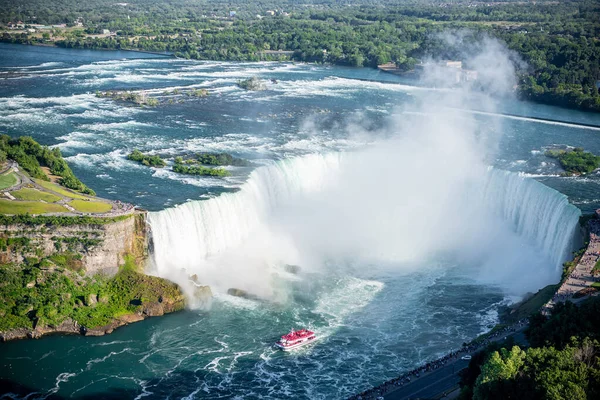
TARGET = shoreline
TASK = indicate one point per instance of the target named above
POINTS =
(72, 328)
(494, 334)
(520, 96)
(425, 370)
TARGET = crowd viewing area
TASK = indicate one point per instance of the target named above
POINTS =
(584, 280)
(22, 194)
(464, 353)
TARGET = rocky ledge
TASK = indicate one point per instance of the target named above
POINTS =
(71, 327)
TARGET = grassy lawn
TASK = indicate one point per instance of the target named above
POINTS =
(31, 207)
(35, 195)
(532, 304)
(7, 180)
(596, 285)
(596, 268)
(90, 206)
(60, 190)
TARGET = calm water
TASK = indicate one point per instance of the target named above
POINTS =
(371, 326)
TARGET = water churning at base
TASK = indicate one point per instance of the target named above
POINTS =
(234, 239)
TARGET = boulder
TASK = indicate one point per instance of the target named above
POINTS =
(202, 292)
(241, 293)
(91, 300)
(154, 310)
(292, 269)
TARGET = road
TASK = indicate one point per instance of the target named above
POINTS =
(430, 385)
(436, 383)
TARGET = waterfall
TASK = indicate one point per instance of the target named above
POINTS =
(536, 211)
(188, 235)
(196, 230)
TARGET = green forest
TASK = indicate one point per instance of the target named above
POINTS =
(557, 42)
(562, 362)
(31, 156)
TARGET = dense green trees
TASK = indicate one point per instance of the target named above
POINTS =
(541, 373)
(147, 160)
(557, 40)
(47, 291)
(576, 161)
(563, 362)
(182, 168)
(222, 159)
(31, 156)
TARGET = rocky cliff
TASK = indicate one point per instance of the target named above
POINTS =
(76, 275)
(100, 247)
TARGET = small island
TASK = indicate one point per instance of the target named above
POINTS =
(203, 164)
(220, 159)
(575, 161)
(147, 160)
(137, 98)
(252, 84)
(192, 167)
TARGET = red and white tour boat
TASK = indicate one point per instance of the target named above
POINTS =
(296, 339)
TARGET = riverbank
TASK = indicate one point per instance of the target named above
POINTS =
(578, 281)
(521, 92)
(582, 281)
(459, 357)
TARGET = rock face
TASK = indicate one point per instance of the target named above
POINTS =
(102, 247)
(70, 327)
(67, 327)
(292, 269)
(92, 249)
(241, 293)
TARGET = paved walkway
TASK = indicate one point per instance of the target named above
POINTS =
(24, 181)
(581, 277)
(439, 376)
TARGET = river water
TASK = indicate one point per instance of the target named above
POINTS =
(409, 233)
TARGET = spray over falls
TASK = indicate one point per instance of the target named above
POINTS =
(294, 212)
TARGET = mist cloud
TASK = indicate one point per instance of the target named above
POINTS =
(419, 195)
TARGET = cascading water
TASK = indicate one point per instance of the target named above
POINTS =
(535, 211)
(186, 235)
(189, 236)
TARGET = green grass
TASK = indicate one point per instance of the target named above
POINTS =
(7, 180)
(90, 206)
(532, 305)
(62, 293)
(60, 190)
(596, 285)
(596, 268)
(29, 207)
(35, 195)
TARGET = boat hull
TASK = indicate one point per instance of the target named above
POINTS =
(295, 345)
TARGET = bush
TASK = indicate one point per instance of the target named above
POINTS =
(147, 160)
(199, 170)
(221, 159)
(31, 156)
(576, 161)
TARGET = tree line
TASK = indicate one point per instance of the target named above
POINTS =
(562, 362)
(558, 42)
